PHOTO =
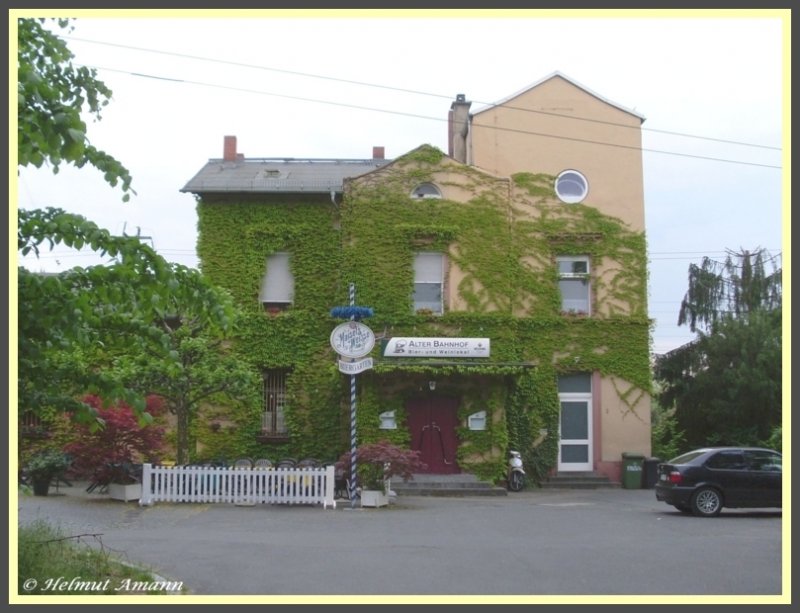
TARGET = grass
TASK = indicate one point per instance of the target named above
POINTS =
(50, 562)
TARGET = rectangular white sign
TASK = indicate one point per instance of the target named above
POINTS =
(423, 347)
(353, 368)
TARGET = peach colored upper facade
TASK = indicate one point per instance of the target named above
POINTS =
(557, 125)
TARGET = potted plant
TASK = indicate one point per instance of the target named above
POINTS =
(125, 482)
(43, 466)
(376, 464)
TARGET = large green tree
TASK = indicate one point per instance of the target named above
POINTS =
(189, 364)
(108, 329)
(52, 95)
(76, 325)
(725, 387)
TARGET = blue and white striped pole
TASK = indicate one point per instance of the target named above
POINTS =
(345, 344)
(353, 454)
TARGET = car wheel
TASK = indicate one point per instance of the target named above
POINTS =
(706, 502)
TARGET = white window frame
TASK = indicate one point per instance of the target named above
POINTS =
(388, 420)
(429, 270)
(477, 421)
(426, 190)
(574, 278)
(277, 284)
(571, 177)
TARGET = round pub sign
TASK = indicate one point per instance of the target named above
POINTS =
(352, 339)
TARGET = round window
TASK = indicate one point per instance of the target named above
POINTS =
(571, 186)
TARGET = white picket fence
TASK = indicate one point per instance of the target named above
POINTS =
(243, 486)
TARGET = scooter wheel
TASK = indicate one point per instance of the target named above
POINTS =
(516, 482)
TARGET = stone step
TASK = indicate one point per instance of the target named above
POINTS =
(580, 480)
(462, 484)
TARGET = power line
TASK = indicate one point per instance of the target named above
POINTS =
(418, 116)
(405, 90)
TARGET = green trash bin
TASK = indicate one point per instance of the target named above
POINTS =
(632, 470)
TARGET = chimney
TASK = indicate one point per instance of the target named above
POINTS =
(229, 150)
(458, 128)
(377, 153)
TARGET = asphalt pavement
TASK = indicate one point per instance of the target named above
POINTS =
(531, 545)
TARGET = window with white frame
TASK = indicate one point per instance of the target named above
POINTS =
(388, 420)
(273, 421)
(277, 285)
(477, 421)
(429, 282)
(571, 186)
(573, 283)
(426, 190)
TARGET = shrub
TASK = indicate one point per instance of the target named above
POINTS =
(377, 462)
(105, 454)
(46, 464)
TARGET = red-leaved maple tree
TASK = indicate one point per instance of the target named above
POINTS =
(106, 454)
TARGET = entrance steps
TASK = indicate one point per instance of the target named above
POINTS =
(579, 480)
(462, 484)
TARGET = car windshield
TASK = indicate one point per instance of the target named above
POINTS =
(686, 457)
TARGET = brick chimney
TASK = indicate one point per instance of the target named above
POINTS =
(229, 150)
(377, 153)
(458, 128)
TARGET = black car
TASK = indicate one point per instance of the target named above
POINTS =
(705, 480)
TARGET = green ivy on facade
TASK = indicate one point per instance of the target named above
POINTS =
(503, 236)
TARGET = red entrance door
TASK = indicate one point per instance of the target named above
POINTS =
(433, 422)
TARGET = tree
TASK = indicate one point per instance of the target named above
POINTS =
(732, 289)
(74, 323)
(66, 320)
(57, 323)
(191, 364)
(105, 454)
(135, 327)
(51, 95)
(82, 331)
(725, 387)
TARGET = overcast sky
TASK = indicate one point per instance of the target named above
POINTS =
(712, 91)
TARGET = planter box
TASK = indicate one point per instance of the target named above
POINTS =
(374, 498)
(41, 487)
(132, 491)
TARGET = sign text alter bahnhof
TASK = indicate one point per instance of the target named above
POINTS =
(432, 347)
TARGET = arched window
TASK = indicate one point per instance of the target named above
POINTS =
(426, 190)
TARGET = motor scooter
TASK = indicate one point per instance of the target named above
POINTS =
(516, 474)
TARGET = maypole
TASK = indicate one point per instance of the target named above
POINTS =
(353, 340)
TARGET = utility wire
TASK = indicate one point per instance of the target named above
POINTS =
(418, 116)
(408, 91)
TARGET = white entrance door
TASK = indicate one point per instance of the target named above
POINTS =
(575, 433)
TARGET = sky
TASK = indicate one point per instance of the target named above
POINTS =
(713, 88)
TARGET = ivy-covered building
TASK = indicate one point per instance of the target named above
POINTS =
(507, 281)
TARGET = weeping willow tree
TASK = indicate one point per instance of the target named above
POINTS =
(725, 387)
(735, 288)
